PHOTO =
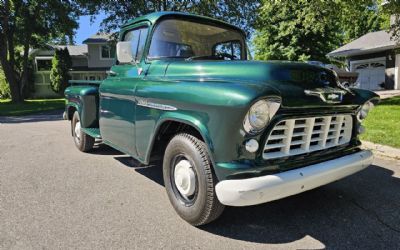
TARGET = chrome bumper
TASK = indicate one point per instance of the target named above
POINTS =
(252, 191)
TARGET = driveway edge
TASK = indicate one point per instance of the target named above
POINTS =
(382, 150)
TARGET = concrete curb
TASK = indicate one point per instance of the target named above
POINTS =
(382, 150)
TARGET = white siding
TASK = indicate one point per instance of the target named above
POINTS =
(94, 58)
(397, 73)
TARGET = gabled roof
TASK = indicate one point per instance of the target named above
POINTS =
(74, 50)
(98, 38)
(368, 43)
(48, 50)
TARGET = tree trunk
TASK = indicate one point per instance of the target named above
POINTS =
(7, 58)
(25, 64)
(16, 96)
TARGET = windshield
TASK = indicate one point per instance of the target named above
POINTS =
(174, 38)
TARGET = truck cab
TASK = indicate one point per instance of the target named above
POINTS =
(231, 131)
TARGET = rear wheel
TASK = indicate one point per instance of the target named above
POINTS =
(82, 141)
(189, 180)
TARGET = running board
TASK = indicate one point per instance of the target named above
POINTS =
(93, 132)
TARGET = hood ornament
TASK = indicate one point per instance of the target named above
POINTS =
(328, 95)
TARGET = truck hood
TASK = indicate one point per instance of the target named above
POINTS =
(298, 84)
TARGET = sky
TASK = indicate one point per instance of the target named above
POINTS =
(86, 28)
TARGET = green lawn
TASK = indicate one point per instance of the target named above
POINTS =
(30, 106)
(383, 123)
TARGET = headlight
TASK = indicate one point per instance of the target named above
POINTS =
(260, 114)
(364, 110)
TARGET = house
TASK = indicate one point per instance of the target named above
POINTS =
(376, 57)
(90, 61)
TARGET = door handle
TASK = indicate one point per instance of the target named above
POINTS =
(112, 73)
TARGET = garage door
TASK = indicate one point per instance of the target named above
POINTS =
(371, 74)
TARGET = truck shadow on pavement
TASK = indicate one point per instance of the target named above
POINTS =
(358, 212)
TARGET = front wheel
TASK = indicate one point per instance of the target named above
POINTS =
(189, 180)
(82, 141)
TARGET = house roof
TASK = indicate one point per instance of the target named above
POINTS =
(48, 50)
(74, 50)
(368, 43)
(98, 38)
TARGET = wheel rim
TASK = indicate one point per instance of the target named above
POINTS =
(77, 131)
(184, 180)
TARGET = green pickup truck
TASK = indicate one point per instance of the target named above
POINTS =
(231, 131)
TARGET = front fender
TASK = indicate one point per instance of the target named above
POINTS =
(191, 120)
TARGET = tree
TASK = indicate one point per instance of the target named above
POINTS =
(239, 12)
(59, 75)
(27, 24)
(308, 30)
(359, 17)
(295, 30)
(392, 8)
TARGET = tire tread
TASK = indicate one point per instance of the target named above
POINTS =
(213, 207)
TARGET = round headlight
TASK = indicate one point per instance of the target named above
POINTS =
(364, 110)
(260, 114)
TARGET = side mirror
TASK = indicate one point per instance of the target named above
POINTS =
(124, 52)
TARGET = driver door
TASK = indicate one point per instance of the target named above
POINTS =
(117, 96)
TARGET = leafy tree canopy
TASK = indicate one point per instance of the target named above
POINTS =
(31, 24)
(308, 30)
(239, 12)
(392, 8)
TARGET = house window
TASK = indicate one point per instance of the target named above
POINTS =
(107, 52)
(43, 64)
(377, 65)
(362, 66)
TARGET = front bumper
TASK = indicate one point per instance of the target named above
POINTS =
(257, 190)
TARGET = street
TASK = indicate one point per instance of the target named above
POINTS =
(52, 196)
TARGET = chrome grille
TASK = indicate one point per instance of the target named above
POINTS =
(304, 135)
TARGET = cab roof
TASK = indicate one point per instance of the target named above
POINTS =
(155, 16)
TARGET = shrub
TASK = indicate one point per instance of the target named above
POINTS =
(61, 63)
(4, 87)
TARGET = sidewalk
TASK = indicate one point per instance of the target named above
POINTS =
(382, 150)
(384, 94)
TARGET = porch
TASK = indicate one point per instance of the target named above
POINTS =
(42, 81)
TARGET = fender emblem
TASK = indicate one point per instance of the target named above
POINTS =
(145, 103)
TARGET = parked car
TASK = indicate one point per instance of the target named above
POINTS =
(346, 78)
(231, 132)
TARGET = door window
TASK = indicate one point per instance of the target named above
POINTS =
(137, 37)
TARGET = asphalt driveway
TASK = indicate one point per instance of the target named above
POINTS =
(53, 196)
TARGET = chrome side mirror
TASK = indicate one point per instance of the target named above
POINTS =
(124, 52)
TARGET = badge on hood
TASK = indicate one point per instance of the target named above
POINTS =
(328, 95)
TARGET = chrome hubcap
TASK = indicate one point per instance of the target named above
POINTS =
(185, 178)
(78, 130)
